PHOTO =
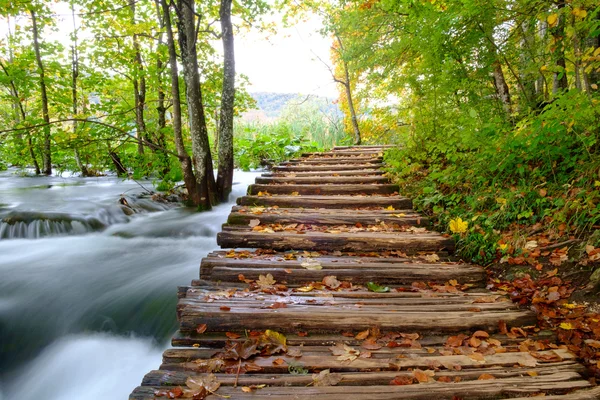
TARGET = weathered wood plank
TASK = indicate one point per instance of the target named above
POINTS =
(552, 383)
(338, 180)
(364, 172)
(308, 189)
(176, 378)
(228, 269)
(366, 146)
(352, 202)
(315, 217)
(320, 318)
(329, 167)
(362, 241)
(218, 340)
(350, 152)
(332, 160)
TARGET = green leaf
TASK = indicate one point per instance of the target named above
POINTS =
(373, 287)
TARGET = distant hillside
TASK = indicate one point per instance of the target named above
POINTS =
(271, 104)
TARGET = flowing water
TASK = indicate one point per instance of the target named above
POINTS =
(88, 277)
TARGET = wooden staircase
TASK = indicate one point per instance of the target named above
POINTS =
(334, 288)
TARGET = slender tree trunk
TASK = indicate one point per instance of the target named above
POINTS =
(161, 109)
(75, 75)
(197, 119)
(225, 125)
(189, 179)
(502, 88)
(47, 151)
(348, 89)
(558, 32)
(139, 86)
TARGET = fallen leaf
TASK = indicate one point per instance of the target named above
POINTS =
(232, 335)
(326, 378)
(265, 281)
(253, 223)
(423, 376)
(373, 287)
(331, 282)
(402, 380)
(484, 377)
(344, 352)
(311, 264)
(362, 335)
(201, 328)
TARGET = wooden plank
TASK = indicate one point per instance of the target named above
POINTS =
(308, 189)
(334, 315)
(332, 160)
(362, 241)
(219, 339)
(316, 217)
(372, 146)
(358, 258)
(351, 152)
(176, 378)
(384, 273)
(553, 383)
(586, 394)
(338, 180)
(390, 360)
(352, 202)
(329, 167)
(364, 172)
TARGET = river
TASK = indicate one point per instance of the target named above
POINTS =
(88, 286)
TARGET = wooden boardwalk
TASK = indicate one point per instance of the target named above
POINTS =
(337, 290)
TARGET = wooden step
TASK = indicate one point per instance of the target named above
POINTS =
(374, 146)
(365, 172)
(477, 389)
(332, 160)
(293, 273)
(351, 202)
(350, 152)
(328, 167)
(318, 189)
(408, 243)
(427, 342)
(336, 180)
(323, 216)
(332, 311)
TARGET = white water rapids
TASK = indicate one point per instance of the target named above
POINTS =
(86, 312)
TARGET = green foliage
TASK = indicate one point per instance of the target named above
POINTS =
(257, 145)
(544, 169)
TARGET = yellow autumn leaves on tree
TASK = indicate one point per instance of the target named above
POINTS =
(458, 225)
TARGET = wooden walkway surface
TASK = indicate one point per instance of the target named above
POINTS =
(336, 289)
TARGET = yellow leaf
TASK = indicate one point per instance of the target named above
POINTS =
(391, 208)
(566, 326)
(552, 19)
(503, 246)
(294, 194)
(458, 225)
(579, 12)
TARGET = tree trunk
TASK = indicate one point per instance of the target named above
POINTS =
(121, 170)
(502, 88)
(558, 32)
(197, 119)
(348, 88)
(161, 109)
(139, 87)
(47, 151)
(75, 74)
(225, 126)
(186, 162)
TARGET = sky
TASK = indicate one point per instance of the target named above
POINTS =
(285, 62)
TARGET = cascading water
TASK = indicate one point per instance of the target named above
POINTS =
(86, 311)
